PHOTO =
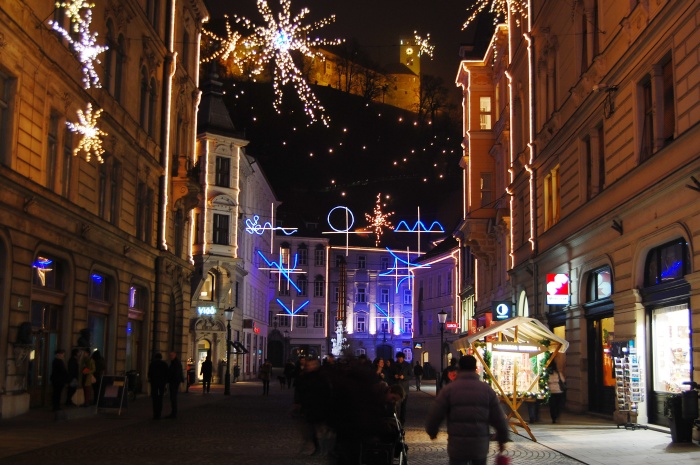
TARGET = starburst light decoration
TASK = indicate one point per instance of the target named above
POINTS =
(229, 45)
(275, 42)
(379, 221)
(85, 46)
(72, 10)
(91, 142)
(500, 9)
(424, 46)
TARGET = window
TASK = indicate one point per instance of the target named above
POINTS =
(385, 263)
(384, 296)
(339, 260)
(318, 319)
(143, 99)
(52, 150)
(320, 255)
(99, 287)
(67, 161)
(383, 324)
(6, 102)
(407, 325)
(319, 286)
(144, 212)
(283, 318)
(336, 295)
(223, 172)
(137, 300)
(448, 283)
(301, 319)
(486, 190)
(407, 296)
(303, 285)
(669, 111)
(220, 229)
(285, 255)
(647, 148)
(361, 323)
(102, 190)
(152, 100)
(551, 198)
(47, 273)
(439, 285)
(599, 284)
(667, 263)
(485, 113)
(361, 295)
(185, 50)
(114, 190)
(362, 262)
(302, 255)
(208, 289)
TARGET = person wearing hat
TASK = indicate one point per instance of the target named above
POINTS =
(401, 374)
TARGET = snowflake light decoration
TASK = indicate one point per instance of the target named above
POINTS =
(228, 45)
(85, 46)
(281, 35)
(424, 46)
(91, 142)
(72, 10)
(379, 221)
(500, 9)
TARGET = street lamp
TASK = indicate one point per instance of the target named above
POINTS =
(442, 318)
(228, 314)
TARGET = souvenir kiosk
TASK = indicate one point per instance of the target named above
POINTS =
(512, 353)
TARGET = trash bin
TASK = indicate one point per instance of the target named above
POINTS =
(681, 428)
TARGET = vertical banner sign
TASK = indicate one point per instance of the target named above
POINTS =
(501, 310)
(558, 289)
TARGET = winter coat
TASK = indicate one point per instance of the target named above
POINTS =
(553, 382)
(470, 406)
(87, 369)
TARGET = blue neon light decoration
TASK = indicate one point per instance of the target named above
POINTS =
(348, 215)
(386, 315)
(394, 271)
(293, 312)
(97, 278)
(435, 227)
(254, 227)
(278, 268)
(42, 262)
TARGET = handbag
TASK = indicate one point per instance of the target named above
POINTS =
(78, 397)
(502, 460)
(93, 380)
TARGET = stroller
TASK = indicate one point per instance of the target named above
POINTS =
(388, 448)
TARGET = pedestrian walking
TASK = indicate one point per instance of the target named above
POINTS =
(449, 373)
(418, 374)
(99, 361)
(557, 385)
(402, 372)
(73, 375)
(288, 372)
(469, 405)
(236, 373)
(157, 378)
(175, 378)
(206, 372)
(264, 373)
(59, 378)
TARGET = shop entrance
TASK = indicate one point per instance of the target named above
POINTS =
(601, 381)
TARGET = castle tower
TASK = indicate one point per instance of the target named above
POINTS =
(408, 55)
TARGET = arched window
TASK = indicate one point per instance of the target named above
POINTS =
(152, 100)
(47, 273)
(599, 285)
(667, 263)
(116, 89)
(143, 102)
(110, 56)
(208, 290)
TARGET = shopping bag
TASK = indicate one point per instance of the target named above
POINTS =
(78, 397)
(502, 459)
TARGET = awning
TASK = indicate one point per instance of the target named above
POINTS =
(526, 329)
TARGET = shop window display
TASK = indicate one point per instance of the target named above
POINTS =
(671, 339)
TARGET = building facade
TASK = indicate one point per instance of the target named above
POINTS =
(371, 290)
(600, 162)
(92, 246)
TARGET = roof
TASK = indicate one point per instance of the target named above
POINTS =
(526, 329)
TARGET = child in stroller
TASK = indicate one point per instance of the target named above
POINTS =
(385, 440)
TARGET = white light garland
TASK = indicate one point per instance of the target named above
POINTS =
(379, 221)
(91, 142)
(85, 46)
(424, 46)
(274, 42)
(500, 8)
(72, 10)
(228, 47)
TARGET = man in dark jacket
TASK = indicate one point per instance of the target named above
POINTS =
(206, 372)
(470, 406)
(175, 378)
(59, 378)
(158, 378)
(73, 375)
(402, 373)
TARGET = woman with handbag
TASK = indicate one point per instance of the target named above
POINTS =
(88, 372)
(557, 391)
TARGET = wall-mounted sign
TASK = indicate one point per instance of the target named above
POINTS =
(209, 311)
(501, 310)
(518, 347)
(558, 289)
(451, 325)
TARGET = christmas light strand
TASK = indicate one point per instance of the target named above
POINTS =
(499, 8)
(228, 46)
(379, 221)
(91, 142)
(274, 42)
(86, 46)
(72, 10)
(424, 46)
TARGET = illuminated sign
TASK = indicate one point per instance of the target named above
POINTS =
(518, 347)
(254, 227)
(501, 310)
(209, 311)
(451, 325)
(558, 289)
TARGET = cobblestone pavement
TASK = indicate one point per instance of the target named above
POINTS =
(245, 428)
